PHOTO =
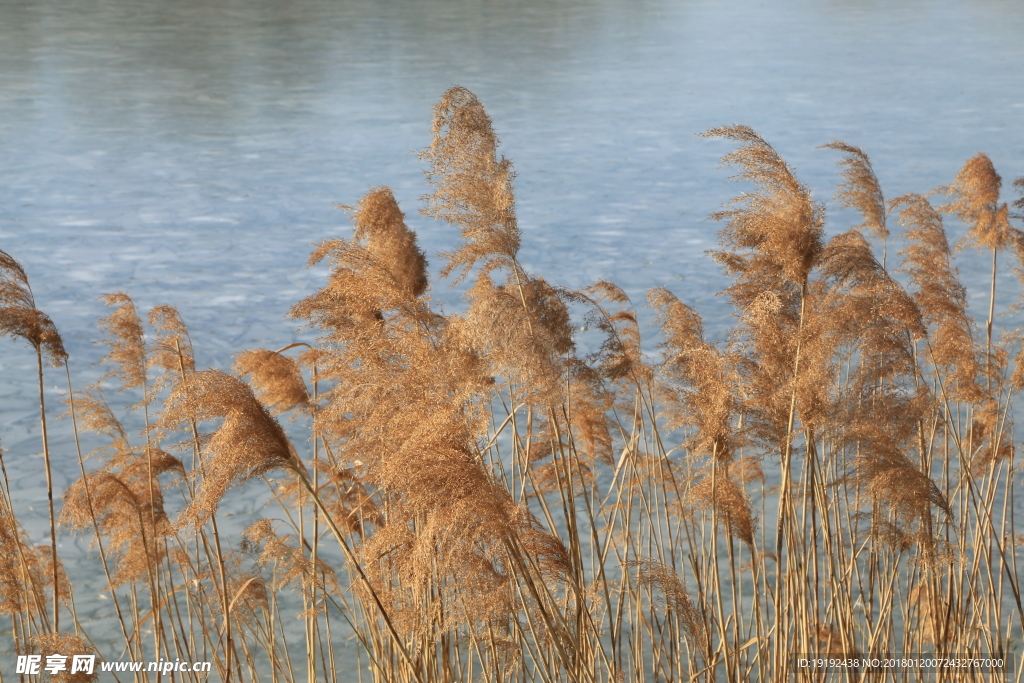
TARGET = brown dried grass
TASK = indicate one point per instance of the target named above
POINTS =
(476, 498)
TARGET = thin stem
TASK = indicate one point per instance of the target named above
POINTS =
(49, 493)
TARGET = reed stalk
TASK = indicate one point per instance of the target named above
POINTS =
(508, 506)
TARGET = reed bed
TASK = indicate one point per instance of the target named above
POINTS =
(470, 496)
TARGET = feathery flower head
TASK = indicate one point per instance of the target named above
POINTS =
(473, 185)
(19, 316)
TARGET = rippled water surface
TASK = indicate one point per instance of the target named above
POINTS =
(190, 152)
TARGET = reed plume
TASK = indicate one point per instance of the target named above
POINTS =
(778, 230)
(673, 588)
(127, 505)
(382, 271)
(940, 296)
(473, 186)
(772, 241)
(94, 414)
(126, 341)
(19, 316)
(23, 574)
(248, 442)
(620, 355)
(975, 199)
(988, 439)
(522, 323)
(380, 225)
(461, 518)
(869, 311)
(524, 330)
(731, 503)
(170, 352)
(350, 500)
(293, 565)
(276, 379)
(896, 482)
(590, 402)
(701, 380)
(861, 190)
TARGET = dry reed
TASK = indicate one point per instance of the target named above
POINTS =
(470, 496)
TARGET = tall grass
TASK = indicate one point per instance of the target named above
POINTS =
(471, 496)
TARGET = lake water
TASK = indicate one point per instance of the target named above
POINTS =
(190, 152)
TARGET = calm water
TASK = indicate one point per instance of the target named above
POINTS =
(189, 152)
